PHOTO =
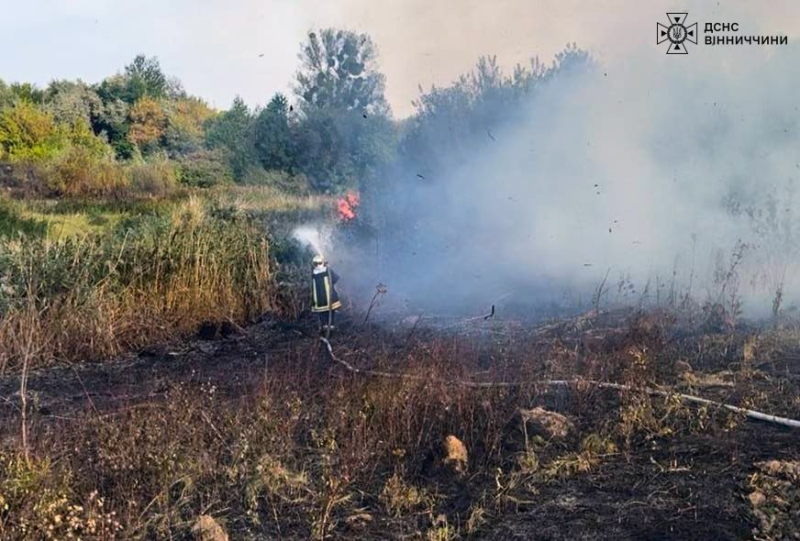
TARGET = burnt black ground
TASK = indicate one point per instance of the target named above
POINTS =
(686, 487)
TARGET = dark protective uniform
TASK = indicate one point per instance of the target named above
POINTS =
(324, 297)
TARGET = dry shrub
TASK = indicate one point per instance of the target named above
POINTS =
(400, 497)
(593, 449)
(189, 214)
(316, 451)
(296, 458)
(79, 172)
(36, 502)
(285, 460)
(25, 179)
(155, 178)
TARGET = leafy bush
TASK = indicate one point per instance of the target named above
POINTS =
(28, 133)
(204, 169)
(81, 135)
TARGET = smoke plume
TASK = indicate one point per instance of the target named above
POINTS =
(652, 172)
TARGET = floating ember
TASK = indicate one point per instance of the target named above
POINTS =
(347, 206)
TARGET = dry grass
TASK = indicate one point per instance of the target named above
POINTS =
(269, 199)
(299, 457)
(73, 224)
(308, 453)
(95, 297)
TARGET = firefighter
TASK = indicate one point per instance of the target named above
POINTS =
(324, 297)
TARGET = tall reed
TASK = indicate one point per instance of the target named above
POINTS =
(146, 281)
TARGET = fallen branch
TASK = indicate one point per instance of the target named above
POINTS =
(752, 414)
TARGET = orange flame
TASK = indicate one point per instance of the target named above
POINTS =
(347, 206)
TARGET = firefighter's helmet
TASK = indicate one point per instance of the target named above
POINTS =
(318, 260)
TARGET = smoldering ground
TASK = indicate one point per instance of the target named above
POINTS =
(657, 174)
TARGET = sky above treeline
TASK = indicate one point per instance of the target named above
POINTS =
(214, 46)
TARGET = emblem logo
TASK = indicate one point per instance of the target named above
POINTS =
(677, 33)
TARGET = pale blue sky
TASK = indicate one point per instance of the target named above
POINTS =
(213, 46)
(210, 46)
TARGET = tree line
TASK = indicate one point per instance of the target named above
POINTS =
(335, 132)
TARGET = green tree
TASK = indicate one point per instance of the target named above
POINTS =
(116, 88)
(449, 123)
(344, 133)
(337, 149)
(231, 131)
(273, 137)
(186, 118)
(339, 71)
(323, 150)
(72, 102)
(145, 78)
(141, 78)
(6, 97)
(28, 133)
(111, 121)
(27, 92)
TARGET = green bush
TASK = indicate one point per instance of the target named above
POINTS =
(29, 134)
(204, 169)
(81, 135)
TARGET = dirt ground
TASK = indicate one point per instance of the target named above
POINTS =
(683, 484)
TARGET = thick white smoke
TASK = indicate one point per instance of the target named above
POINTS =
(636, 171)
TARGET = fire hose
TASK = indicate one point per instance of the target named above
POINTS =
(751, 414)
